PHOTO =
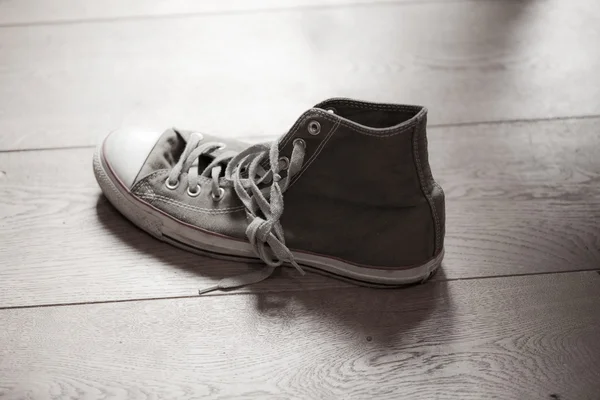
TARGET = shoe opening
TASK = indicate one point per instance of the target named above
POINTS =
(372, 115)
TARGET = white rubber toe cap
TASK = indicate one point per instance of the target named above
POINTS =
(125, 151)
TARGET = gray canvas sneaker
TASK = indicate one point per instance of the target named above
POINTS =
(348, 191)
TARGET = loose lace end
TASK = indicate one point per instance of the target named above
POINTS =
(240, 280)
(208, 289)
(298, 267)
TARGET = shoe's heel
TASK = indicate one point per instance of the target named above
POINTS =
(370, 276)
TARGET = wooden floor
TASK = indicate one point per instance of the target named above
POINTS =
(93, 308)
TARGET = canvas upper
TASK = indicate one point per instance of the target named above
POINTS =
(364, 192)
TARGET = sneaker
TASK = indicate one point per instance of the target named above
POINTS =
(348, 192)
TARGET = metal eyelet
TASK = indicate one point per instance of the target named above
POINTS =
(314, 127)
(171, 186)
(331, 110)
(219, 196)
(195, 193)
(284, 163)
(300, 142)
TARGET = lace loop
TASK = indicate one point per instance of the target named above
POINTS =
(188, 161)
(259, 190)
(265, 230)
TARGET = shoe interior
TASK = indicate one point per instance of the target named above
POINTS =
(376, 118)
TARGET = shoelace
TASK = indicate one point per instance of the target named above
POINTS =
(189, 162)
(264, 208)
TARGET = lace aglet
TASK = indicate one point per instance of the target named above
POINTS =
(298, 267)
(208, 289)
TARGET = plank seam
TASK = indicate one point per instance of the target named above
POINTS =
(430, 126)
(433, 282)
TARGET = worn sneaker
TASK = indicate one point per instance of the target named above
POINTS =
(348, 191)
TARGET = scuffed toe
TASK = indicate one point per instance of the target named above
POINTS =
(125, 151)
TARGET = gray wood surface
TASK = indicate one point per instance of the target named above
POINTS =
(529, 203)
(93, 308)
(519, 338)
(252, 73)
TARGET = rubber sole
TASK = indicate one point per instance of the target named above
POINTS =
(199, 241)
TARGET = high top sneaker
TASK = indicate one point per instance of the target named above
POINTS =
(348, 191)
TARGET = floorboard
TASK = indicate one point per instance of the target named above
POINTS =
(528, 204)
(93, 308)
(253, 73)
(519, 337)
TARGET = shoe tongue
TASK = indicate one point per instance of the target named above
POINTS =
(203, 161)
(165, 153)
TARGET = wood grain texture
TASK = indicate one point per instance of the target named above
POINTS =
(253, 74)
(548, 160)
(71, 242)
(510, 338)
(521, 199)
